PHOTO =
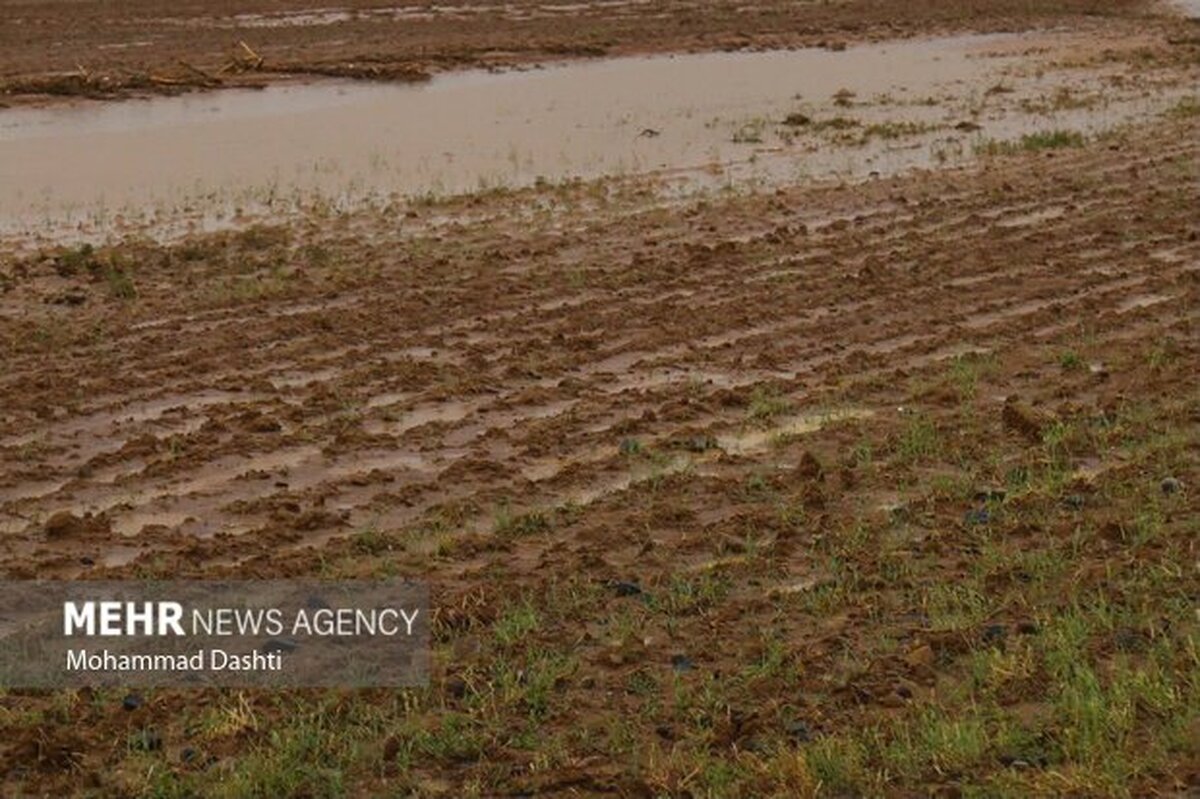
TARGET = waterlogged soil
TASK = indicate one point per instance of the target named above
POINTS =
(702, 121)
(874, 486)
(732, 481)
(84, 49)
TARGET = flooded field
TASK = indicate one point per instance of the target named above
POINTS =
(696, 120)
(781, 399)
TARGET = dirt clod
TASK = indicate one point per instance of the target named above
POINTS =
(1024, 419)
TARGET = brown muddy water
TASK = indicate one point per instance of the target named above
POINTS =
(709, 119)
(1188, 8)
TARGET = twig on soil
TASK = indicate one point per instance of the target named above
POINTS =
(211, 80)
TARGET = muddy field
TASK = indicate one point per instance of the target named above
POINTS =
(855, 456)
(81, 49)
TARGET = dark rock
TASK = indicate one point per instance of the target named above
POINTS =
(1074, 501)
(977, 516)
(1170, 485)
(626, 589)
(132, 701)
(188, 755)
(682, 663)
(994, 634)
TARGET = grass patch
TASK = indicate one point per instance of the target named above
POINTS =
(1033, 142)
(766, 405)
(510, 525)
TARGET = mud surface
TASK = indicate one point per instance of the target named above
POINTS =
(570, 387)
(864, 485)
(83, 49)
(698, 122)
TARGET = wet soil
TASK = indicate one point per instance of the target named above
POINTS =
(467, 396)
(697, 122)
(864, 485)
(52, 50)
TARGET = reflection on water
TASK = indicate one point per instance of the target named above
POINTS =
(94, 163)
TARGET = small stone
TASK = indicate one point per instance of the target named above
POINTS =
(187, 755)
(456, 687)
(799, 731)
(682, 663)
(626, 589)
(977, 516)
(1170, 485)
(1074, 501)
(132, 701)
(994, 634)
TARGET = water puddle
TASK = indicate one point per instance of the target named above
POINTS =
(1140, 301)
(758, 440)
(103, 422)
(1189, 8)
(716, 119)
(324, 17)
(31, 490)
